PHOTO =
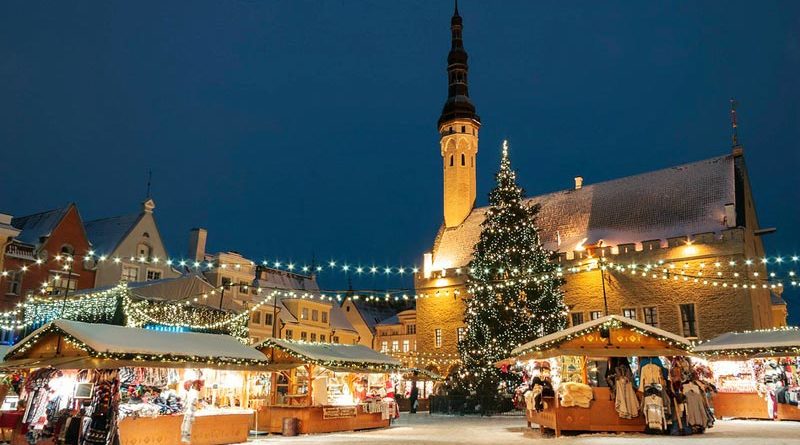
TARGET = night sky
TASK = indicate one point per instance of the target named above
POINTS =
(291, 129)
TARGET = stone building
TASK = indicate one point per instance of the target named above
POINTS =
(661, 240)
(132, 247)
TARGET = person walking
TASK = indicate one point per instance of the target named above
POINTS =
(413, 398)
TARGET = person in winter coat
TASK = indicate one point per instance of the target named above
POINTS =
(413, 397)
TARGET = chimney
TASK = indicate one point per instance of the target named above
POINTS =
(578, 182)
(730, 215)
(197, 244)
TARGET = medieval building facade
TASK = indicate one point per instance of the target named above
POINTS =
(673, 248)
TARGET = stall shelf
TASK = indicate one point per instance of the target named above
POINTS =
(297, 366)
(605, 337)
(749, 349)
(71, 345)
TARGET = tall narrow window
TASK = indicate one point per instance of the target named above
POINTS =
(406, 345)
(689, 320)
(463, 160)
(461, 333)
(651, 316)
(384, 346)
(451, 160)
(463, 128)
(437, 338)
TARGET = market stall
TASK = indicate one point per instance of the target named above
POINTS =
(406, 380)
(594, 377)
(327, 387)
(91, 382)
(755, 373)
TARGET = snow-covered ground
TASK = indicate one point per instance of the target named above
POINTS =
(438, 429)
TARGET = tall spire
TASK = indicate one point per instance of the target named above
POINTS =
(734, 124)
(458, 104)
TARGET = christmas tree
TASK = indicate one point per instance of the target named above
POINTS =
(514, 293)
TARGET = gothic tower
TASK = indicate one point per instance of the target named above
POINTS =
(458, 133)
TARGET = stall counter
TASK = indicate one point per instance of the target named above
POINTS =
(600, 416)
(218, 427)
(740, 405)
(319, 419)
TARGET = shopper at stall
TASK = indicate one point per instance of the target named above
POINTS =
(413, 398)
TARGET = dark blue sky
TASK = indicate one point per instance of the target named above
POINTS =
(293, 127)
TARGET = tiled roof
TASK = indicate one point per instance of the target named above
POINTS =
(676, 201)
(394, 319)
(38, 225)
(374, 314)
(106, 234)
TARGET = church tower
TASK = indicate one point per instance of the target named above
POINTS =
(458, 133)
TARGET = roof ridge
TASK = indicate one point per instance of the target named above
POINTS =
(112, 217)
(529, 198)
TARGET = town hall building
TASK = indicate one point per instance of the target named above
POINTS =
(672, 248)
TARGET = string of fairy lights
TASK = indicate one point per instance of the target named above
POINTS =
(349, 268)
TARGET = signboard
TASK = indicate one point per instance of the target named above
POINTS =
(338, 412)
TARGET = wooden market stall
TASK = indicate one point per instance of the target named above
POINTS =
(571, 353)
(755, 373)
(168, 383)
(327, 387)
(424, 379)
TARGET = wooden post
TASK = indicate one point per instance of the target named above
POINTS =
(585, 370)
(273, 387)
(309, 370)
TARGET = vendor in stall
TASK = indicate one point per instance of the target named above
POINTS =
(608, 375)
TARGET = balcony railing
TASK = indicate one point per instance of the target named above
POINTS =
(18, 251)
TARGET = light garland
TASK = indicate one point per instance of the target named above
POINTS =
(367, 365)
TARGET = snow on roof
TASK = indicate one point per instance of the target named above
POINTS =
(167, 289)
(394, 319)
(339, 320)
(676, 201)
(105, 234)
(552, 340)
(120, 340)
(332, 354)
(779, 339)
(38, 225)
(373, 313)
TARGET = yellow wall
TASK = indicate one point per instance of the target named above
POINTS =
(459, 180)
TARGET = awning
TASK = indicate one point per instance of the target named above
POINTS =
(627, 337)
(764, 343)
(74, 344)
(333, 356)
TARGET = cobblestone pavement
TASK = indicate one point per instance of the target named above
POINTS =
(438, 429)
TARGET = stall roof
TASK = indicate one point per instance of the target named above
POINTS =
(333, 355)
(119, 342)
(554, 340)
(778, 341)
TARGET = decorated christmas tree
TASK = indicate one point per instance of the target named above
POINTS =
(514, 293)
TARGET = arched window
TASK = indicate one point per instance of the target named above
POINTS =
(67, 249)
(146, 235)
(451, 160)
(463, 160)
(472, 161)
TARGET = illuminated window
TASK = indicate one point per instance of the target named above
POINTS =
(384, 346)
(651, 316)
(130, 273)
(395, 345)
(304, 314)
(461, 333)
(411, 329)
(437, 338)
(406, 345)
(594, 315)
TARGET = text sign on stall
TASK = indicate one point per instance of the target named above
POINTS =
(338, 412)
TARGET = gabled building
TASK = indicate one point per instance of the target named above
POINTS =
(699, 218)
(45, 256)
(132, 246)
(364, 317)
(397, 335)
